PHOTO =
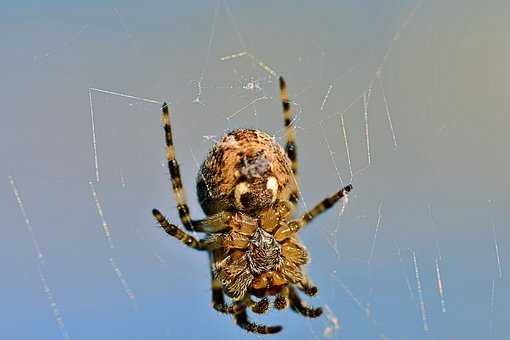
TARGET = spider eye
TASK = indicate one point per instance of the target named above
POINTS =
(256, 196)
(241, 189)
(272, 185)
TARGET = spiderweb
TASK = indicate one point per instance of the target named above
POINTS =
(406, 101)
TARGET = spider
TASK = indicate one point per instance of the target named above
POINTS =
(248, 189)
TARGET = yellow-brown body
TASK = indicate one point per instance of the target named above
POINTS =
(247, 188)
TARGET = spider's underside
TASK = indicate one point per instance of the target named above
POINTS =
(248, 189)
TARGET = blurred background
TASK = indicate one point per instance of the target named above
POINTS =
(405, 99)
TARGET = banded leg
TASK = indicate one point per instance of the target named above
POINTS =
(297, 305)
(261, 306)
(242, 321)
(174, 231)
(175, 174)
(289, 229)
(290, 135)
(325, 204)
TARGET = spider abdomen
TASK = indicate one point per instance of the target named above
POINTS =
(246, 170)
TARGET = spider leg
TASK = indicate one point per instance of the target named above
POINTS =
(175, 174)
(202, 226)
(214, 223)
(325, 204)
(289, 229)
(307, 287)
(282, 300)
(290, 135)
(242, 321)
(300, 307)
(218, 299)
(174, 231)
(261, 306)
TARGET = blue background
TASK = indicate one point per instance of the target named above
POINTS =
(443, 191)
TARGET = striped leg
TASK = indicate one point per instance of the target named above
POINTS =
(300, 307)
(242, 321)
(290, 135)
(175, 174)
(289, 229)
(174, 231)
(325, 204)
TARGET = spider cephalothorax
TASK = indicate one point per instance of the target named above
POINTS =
(248, 189)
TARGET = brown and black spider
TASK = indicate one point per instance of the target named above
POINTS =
(248, 189)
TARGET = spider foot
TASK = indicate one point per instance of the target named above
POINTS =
(308, 311)
(280, 302)
(310, 290)
(261, 307)
(243, 322)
